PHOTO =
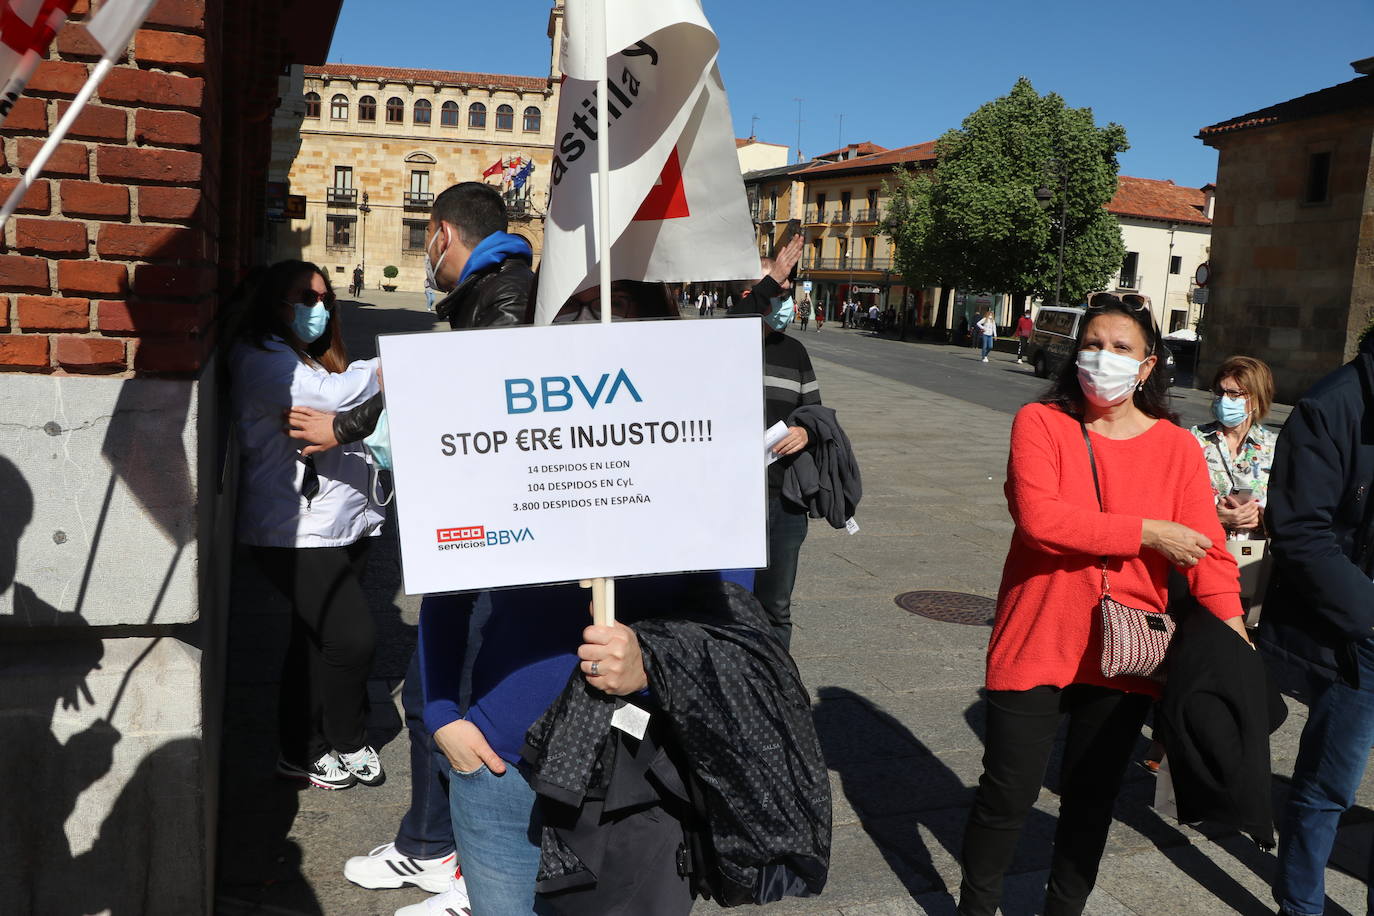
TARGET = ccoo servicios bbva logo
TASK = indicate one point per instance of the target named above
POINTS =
(469, 536)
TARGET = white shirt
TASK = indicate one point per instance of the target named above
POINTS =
(988, 327)
(272, 512)
(872, 311)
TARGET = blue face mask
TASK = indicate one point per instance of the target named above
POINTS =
(378, 442)
(784, 310)
(1230, 412)
(309, 322)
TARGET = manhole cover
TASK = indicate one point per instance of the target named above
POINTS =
(949, 607)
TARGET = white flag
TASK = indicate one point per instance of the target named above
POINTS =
(113, 24)
(27, 27)
(678, 207)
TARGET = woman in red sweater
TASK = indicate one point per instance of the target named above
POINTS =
(1044, 657)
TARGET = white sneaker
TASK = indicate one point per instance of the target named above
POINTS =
(365, 765)
(452, 902)
(325, 773)
(985, 359)
(384, 867)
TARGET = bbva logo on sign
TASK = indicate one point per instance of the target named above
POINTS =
(557, 393)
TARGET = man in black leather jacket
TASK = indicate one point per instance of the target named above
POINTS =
(1319, 612)
(486, 272)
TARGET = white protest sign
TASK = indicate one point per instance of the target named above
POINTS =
(533, 455)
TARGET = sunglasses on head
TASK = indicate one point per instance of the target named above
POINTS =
(310, 297)
(1131, 301)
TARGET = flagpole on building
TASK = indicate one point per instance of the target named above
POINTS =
(35, 169)
(603, 590)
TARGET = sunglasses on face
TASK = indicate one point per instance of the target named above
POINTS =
(310, 297)
(1233, 393)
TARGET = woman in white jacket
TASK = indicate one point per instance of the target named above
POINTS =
(309, 521)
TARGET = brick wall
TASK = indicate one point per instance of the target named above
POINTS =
(112, 264)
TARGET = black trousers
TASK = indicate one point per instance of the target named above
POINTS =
(323, 704)
(1103, 727)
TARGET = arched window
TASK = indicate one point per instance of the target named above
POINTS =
(367, 108)
(532, 119)
(338, 108)
(448, 114)
(395, 111)
(312, 104)
(477, 115)
(423, 110)
(505, 118)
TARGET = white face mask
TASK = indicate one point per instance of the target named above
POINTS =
(432, 267)
(1107, 378)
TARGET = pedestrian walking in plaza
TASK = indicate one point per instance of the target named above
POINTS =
(804, 312)
(1107, 495)
(1025, 327)
(874, 316)
(308, 520)
(820, 316)
(355, 289)
(987, 329)
(1319, 614)
(485, 273)
(703, 303)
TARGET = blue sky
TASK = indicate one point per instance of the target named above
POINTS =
(903, 72)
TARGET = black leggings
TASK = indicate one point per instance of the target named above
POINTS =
(323, 703)
(1103, 727)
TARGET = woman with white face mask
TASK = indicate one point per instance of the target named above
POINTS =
(1045, 656)
(1238, 448)
(307, 520)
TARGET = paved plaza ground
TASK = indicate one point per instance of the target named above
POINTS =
(896, 694)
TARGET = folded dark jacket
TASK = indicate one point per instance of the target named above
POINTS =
(730, 708)
(824, 478)
(1219, 708)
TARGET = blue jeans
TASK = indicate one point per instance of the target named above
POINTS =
(496, 825)
(988, 343)
(426, 831)
(773, 586)
(1331, 761)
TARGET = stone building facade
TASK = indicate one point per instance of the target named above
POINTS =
(115, 493)
(368, 148)
(843, 203)
(1292, 257)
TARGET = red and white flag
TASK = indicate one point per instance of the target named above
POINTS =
(678, 210)
(27, 27)
(494, 169)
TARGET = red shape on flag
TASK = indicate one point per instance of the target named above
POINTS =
(667, 199)
(23, 36)
(494, 170)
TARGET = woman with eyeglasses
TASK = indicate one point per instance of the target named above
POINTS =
(1045, 659)
(1238, 448)
(308, 520)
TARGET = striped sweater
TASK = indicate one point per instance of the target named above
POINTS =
(789, 382)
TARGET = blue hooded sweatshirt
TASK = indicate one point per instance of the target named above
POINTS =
(494, 249)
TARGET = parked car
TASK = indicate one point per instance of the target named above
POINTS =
(1051, 343)
(1056, 331)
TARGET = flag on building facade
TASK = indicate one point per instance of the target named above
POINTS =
(678, 210)
(494, 169)
(27, 27)
(523, 175)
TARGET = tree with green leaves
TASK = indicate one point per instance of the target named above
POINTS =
(979, 220)
(920, 249)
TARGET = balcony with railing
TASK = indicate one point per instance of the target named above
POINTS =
(1125, 281)
(418, 200)
(816, 216)
(766, 214)
(341, 197)
(867, 215)
(856, 264)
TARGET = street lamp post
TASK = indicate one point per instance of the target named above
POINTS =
(1045, 196)
(364, 209)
